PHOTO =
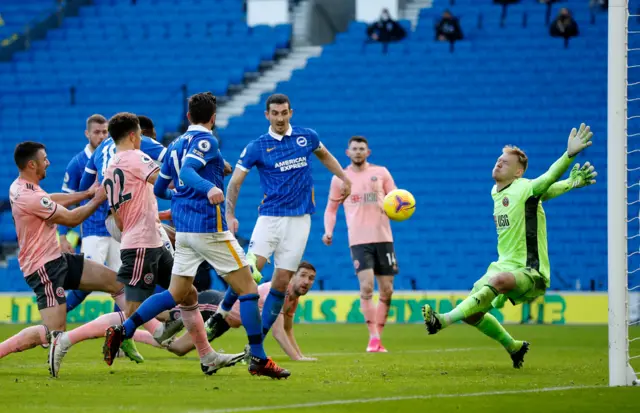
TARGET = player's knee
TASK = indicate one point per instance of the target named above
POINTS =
(386, 291)
(502, 282)
(474, 319)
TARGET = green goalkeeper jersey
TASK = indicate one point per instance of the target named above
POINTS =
(522, 228)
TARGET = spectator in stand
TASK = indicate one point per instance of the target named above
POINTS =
(448, 28)
(564, 26)
(386, 29)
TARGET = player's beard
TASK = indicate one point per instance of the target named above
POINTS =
(358, 163)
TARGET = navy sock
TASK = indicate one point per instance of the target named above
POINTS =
(271, 309)
(230, 298)
(150, 308)
(75, 298)
(250, 316)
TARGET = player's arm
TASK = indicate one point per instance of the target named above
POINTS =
(70, 185)
(288, 329)
(153, 148)
(201, 151)
(71, 218)
(388, 185)
(578, 141)
(69, 199)
(248, 158)
(578, 178)
(282, 338)
(89, 175)
(331, 163)
(331, 211)
(162, 181)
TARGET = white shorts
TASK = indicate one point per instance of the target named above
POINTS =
(116, 234)
(104, 250)
(284, 237)
(220, 249)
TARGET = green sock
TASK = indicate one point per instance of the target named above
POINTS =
(492, 328)
(479, 302)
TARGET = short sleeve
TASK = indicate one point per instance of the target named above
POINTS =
(153, 148)
(165, 170)
(39, 203)
(145, 166)
(72, 176)
(90, 167)
(314, 140)
(248, 157)
(387, 181)
(204, 148)
(335, 191)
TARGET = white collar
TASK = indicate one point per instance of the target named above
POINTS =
(280, 137)
(88, 151)
(198, 128)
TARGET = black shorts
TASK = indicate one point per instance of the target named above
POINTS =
(208, 302)
(142, 269)
(379, 256)
(51, 280)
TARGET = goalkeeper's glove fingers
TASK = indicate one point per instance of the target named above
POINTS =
(579, 139)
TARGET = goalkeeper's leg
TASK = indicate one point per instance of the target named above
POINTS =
(490, 327)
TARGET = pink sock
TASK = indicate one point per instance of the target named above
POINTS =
(145, 337)
(119, 299)
(152, 325)
(366, 305)
(194, 324)
(382, 312)
(95, 328)
(24, 340)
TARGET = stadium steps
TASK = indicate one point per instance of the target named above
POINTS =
(300, 19)
(412, 9)
(266, 83)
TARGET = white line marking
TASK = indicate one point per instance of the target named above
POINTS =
(447, 350)
(392, 399)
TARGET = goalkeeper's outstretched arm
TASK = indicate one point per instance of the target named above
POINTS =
(578, 178)
(578, 140)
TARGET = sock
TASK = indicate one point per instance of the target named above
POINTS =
(250, 315)
(492, 328)
(145, 337)
(382, 312)
(230, 298)
(116, 309)
(75, 298)
(24, 340)
(120, 300)
(479, 302)
(153, 325)
(93, 329)
(194, 324)
(148, 310)
(271, 309)
(366, 305)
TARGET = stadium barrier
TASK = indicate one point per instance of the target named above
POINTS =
(563, 308)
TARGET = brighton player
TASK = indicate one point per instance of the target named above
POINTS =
(282, 157)
(209, 301)
(93, 227)
(196, 167)
(370, 235)
(102, 247)
(522, 271)
(47, 270)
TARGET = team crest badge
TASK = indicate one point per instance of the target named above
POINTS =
(505, 201)
(301, 141)
(60, 292)
(148, 278)
(374, 178)
(356, 264)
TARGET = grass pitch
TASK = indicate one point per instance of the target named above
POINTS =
(456, 370)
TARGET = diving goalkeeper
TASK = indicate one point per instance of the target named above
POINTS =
(522, 271)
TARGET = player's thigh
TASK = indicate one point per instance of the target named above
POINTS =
(266, 236)
(385, 285)
(530, 284)
(95, 248)
(222, 251)
(54, 318)
(363, 258)
(187, 257)
(168, 235)
(293, 241)
(385, 263)
(113, 256)
(366, 281)
(98, 277)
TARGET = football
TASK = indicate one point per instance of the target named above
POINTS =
(399, 205)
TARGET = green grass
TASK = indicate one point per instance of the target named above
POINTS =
(448, 368)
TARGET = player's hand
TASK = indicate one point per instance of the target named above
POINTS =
(165, 215)
(305, 358)
(579, 140)
(327, 239)
(100, 194)
(228, 169)
(65, 245)
(233, 224)
(581, 177)
(215, 195)
(345, 191)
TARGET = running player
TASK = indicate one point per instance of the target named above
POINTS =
(282, 157)
(209, 301)
(196, 168)
(103, 246)
(522, 271)
(48, 271)
(370, 235)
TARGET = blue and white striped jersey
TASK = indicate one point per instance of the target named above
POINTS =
(191, 210)
(284, 166)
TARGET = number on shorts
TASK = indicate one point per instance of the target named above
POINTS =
(118, 176)
(391, 256)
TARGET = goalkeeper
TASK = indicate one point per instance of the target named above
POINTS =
(522, 270)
